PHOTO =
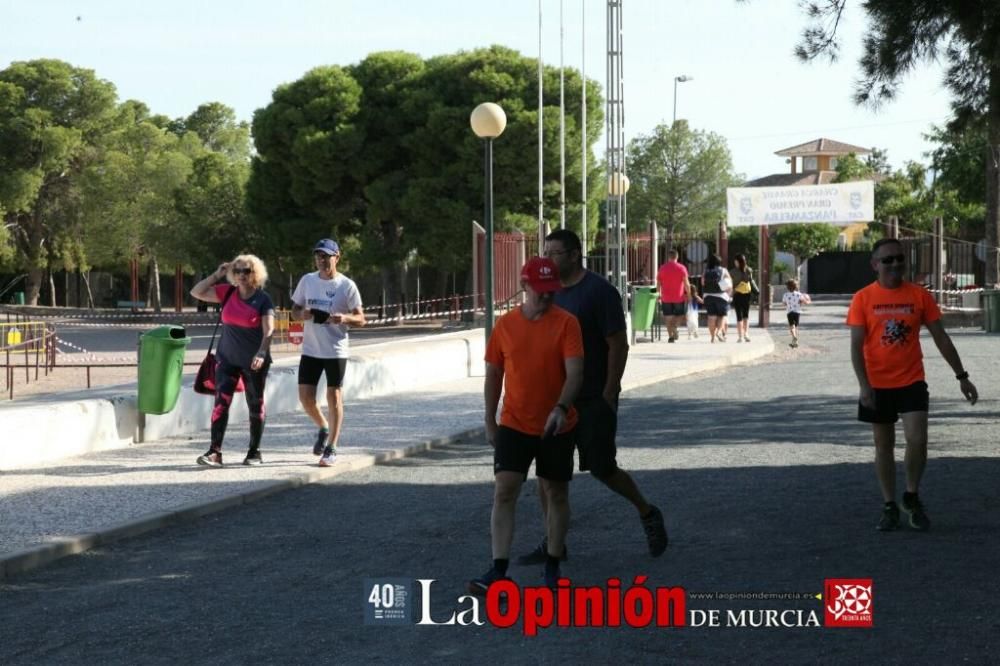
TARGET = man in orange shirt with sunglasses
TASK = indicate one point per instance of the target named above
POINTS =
(885, 319)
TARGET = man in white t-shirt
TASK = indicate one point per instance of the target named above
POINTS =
(329, 303)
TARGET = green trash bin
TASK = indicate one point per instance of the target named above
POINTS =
(18, 298)
(161, 364)
(643, 308)
(991, 311)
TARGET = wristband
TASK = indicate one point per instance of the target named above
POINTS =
(962, 375)
(564, 408)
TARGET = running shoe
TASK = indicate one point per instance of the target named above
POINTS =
(329, 457)
(320, 444)
(253, 457)
(915, 508)
(539, 554)
(480, 585)
(890, 518)
(656, 531)
(211, 459)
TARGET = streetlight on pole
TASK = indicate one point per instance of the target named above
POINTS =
(488, 122)
(683, 78)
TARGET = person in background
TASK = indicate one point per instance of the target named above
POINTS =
(743, 283)
(717, 292)
(694, 305)
(794, 300)
(329, 303)
(675, 293)
(244, 349)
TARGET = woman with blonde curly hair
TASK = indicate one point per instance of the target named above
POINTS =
(244, 347)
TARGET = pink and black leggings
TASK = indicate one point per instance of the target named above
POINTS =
(226, 378)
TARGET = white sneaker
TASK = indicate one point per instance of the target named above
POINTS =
(329, 457)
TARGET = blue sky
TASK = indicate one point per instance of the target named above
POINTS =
(747, 85)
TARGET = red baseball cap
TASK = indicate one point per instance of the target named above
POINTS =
(541, 273)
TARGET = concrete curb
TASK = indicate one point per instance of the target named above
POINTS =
(33, 558)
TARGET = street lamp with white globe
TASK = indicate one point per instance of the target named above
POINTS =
(488, 122)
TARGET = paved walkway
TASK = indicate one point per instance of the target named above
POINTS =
(71, 505)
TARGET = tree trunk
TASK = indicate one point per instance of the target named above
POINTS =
(391, 271)
(52, 289)
(90, 293)
(153, 285)
(993, 178)
(35, 255)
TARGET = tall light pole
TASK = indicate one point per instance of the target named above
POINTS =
(683, 78)
(617, 236)
(488, 122)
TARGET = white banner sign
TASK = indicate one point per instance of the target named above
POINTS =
(839, 203)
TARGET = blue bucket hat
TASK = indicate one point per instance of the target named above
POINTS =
(327, 246)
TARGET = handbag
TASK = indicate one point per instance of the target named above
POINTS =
(204, 381)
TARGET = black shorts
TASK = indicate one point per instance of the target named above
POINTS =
(793, 318)
(673, 309)
(596, 439)
(312, 368)
(515, 450)
(716, 306)
(741, 303)
(890, 403)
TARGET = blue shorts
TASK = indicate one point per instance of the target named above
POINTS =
(716, 306)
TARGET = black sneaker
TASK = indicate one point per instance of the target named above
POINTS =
(890, 518)
(656, 531)
(211, 459)
(915, 508)
(540, 554)
(253, 457)
(481, 584)
(320, 444)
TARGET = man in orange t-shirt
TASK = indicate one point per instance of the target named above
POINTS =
(885, 319)
(535, 354)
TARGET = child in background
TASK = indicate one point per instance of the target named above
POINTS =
(692, 313)
(794, 300)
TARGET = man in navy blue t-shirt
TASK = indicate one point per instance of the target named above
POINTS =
(598, 307)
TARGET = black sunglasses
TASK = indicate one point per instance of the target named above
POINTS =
(893, 259)
(242, 271)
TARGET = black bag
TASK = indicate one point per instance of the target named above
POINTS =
(713, 281)
(204, 381)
